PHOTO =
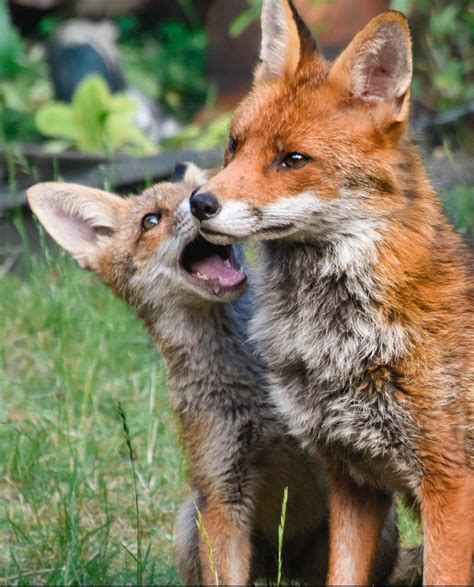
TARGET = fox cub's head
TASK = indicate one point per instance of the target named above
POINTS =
(145, 247)
(314, 150)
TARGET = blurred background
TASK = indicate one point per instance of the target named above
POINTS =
(84, 83)
(113, 94)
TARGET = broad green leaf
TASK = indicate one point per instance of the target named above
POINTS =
(57, 146)
(119, 133)
(57, 120)
(123, 104)
(92, 91)
(138, 144)
(96, 121)
(91, 104)
(115, 131)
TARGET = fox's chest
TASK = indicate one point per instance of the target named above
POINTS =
(363, 422)
(329, 322)
(329, 354)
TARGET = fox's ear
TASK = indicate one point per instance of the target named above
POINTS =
(377, 66)
(79, 218)
(190, 173)
(285, 40)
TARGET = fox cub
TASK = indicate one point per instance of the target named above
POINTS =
(365, 291)
(147, 249)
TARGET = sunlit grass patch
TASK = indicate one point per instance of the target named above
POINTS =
(69, 351)
(409, 526)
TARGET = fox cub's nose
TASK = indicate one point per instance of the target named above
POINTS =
(204, 206)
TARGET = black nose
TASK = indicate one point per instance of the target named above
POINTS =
(204, 206)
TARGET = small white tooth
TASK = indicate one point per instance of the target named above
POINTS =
(227, 262)
(202, 276)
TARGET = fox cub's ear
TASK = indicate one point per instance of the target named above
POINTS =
(285, 40)
(377, 65)
(190, 173)
(79, 218)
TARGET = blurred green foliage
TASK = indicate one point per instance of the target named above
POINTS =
(167, 63)
(459, 204)
(194, 136)
(95, 121)
(11, 47)
(246, 18)
(443, 37)
(24, 83)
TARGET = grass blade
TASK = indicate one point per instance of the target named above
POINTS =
(135, 489)
(281, 531)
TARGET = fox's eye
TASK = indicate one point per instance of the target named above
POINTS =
(150, 221)
(294, 161)
(232, 146)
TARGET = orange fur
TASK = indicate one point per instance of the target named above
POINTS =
(354, 511)
(224, 550)
(448, 520)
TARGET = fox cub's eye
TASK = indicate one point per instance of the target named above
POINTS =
(232, 146)
(150, 221)
(294, 161)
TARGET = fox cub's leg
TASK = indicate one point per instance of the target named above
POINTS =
(357, 516)
(448, 526)
(187, 541)
(225, 549)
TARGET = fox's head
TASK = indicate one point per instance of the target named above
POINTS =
(314, 149)
(146, 247)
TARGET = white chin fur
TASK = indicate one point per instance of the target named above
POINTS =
(303, 216)
(238, 221)
(219, 239)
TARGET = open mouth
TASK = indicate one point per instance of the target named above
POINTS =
(212, 267)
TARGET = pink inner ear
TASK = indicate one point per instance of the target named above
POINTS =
(381, 71)
(103, 230)
(379, 84)
(79, 226)
(74, 224)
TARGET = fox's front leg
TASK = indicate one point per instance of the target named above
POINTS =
(448, 526)
(357, 516)
(225, 550)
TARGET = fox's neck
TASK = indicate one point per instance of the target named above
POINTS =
(361, 300)
(325, 307)
(196, 338)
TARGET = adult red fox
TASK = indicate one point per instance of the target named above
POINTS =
(365, 289)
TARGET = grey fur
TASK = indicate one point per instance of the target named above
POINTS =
(215, 376)
(243, 457)
(322, 375)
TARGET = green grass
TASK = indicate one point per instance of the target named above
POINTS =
(69, 352)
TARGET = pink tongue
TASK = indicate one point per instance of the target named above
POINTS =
(215, 268)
